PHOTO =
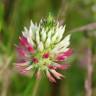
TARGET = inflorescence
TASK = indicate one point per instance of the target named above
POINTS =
(43, 48)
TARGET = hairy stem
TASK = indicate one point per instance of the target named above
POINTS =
(88, 79)
(6, 73)
(85, 28)
(35, 89)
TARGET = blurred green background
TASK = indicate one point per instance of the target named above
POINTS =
(15, 14)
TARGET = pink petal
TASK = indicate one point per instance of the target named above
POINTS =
(45, 55)
(35, 60)
(21, 51)
(23, 41)
(21, 68)
(30, 49)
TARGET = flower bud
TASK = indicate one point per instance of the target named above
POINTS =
(60, 33)
(54, 37)
(32, 30)
(40, 47)
(48, 42)
(37, 36)
(62, 45)
(31, 41)
(43, 35)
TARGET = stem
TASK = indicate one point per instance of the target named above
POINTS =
(88, 79)
(6, 83)
(36, 87)
(85, 28)
(6, 77)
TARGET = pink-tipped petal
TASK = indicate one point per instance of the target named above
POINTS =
(21, 67)
(23, 72)
(60, 58)
(68, 53)
(56, 74)
(63, 56)
(52, 67)
(50, 77)
(62, 66)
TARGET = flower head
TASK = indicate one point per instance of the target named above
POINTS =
(43, 48)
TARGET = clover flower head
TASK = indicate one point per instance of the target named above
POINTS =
(43, 48)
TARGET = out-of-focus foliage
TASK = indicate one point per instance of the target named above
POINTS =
(1, 16)
(15, 14)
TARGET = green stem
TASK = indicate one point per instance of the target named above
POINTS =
(35, 89)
